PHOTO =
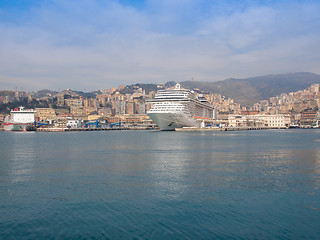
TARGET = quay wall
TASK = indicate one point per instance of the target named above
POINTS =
(90, 129)
(191, 129)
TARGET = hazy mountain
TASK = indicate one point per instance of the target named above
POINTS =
(246, 91)
(249, 91)
(43, 93)
(6, 93)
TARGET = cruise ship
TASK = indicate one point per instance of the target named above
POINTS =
(177, 108)
(20, 120)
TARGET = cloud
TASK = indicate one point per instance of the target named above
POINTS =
(88, 45)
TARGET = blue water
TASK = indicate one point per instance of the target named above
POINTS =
(160, 185)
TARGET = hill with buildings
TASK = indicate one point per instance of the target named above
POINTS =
(249, 91)
(231, 98)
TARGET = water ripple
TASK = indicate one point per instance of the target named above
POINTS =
(107, 185)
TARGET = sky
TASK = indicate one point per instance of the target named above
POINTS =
(98, 44)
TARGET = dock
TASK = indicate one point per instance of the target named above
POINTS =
(216, 129)
(91, 129)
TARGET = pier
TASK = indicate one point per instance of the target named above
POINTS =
(194, 129)
(91, 129)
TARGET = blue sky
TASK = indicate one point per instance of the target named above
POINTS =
(98, 44)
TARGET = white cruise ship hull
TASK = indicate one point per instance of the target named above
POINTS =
(177, 108)
(19, 127)
(169, 121)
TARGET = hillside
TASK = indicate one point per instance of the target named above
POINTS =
(6, 93)
(249, 91)
(43, 93)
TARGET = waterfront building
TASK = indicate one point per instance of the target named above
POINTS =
(94, 117)
(259, 120)
(45, 114)
(275, 121)
(137, 121)
(308, 118)
(245, 121)
(114, 119)
(74, 123)
(237, 121)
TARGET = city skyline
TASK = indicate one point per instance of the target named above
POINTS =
(88, 45)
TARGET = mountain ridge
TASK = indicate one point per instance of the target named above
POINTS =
(248, 91)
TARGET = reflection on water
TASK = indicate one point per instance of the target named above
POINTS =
(160, 185)
(22, 159)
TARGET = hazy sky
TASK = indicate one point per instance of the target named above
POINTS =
(98, 44)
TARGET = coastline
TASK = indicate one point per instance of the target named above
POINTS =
(185, 129)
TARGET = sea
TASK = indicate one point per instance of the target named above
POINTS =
(261, 184)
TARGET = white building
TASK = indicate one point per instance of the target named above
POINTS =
(237, 121)
(74, 123)
(259, 120)
(275, 121)
(245, 121)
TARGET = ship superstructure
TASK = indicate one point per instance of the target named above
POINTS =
(20, 120)
(177, 107)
